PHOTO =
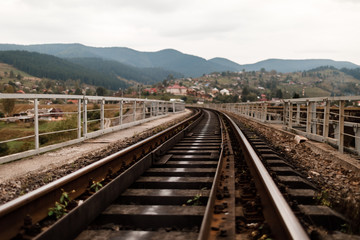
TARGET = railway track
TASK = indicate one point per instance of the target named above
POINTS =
(201, 179)
(308, 201)
(168, 201)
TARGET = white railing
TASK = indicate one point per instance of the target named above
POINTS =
(41, 130)
(335, 120)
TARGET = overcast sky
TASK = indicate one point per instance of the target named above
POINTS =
(244, 31)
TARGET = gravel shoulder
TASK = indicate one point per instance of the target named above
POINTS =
(25, 175)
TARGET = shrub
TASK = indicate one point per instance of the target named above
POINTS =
(4, 149)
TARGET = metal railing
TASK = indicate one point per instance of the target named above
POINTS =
(334, 120)
(43, 126)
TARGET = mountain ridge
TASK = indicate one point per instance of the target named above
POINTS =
(174, 60)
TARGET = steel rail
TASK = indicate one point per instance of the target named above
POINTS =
(205, 229)
(285, 225)
(36, 203)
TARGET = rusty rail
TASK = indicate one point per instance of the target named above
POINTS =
(284, 223)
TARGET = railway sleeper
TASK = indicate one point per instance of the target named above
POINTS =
(152, 216)
(323, 216)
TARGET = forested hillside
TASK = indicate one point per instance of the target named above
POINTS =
(46, 66)
(89, 70)
(115, 69)
(352, 72)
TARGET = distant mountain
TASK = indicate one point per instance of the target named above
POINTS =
(186, 64)
(173, 60)
(59, 50)
(226, 63)
(282, 65)
(167, 59)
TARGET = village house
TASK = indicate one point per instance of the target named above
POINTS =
(56, 114)
(207, 97)
(47, 114)
(176, 89)
(150, 90)
(191, 92)
(72, 101)
(263, 97)
(215, 91)
(224, 92)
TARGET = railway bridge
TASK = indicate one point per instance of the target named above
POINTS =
(286, 170)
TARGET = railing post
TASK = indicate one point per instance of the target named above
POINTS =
(144, 109)
(85, 117)
(285, 113)
(157, 108)
(290, 114)
(174, 107)
(151, 109)
(36, 123)
(153, 106)
(160, 109)
(264, 112)
(79, 119)
(256, 111)
(313, 118)
(102, 114)
(326, 120)
(341, 125)
(357, 139)
(308, 117)
(134, 111)
(121, 112)
(298, 114)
